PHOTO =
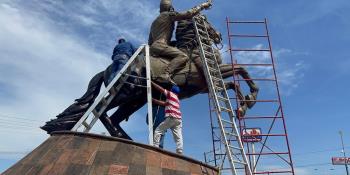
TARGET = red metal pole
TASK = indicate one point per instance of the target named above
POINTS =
(279, 114)
(236, 83)
(279, 96)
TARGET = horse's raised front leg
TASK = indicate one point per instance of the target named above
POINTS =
(227, 71)
(254, 89)
(241, 99)
(247, 101)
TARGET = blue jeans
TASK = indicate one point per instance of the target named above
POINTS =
(118, 63)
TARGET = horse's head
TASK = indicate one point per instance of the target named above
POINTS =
(214, 35)
(186, 35)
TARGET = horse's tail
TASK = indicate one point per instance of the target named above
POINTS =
(93, 89)
(68, 118)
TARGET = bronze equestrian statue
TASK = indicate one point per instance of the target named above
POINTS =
(130, 98)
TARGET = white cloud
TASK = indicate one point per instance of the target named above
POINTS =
(302, 171)
(105, 18)
(289, 74)
(86, 20)
(45, 70)
(290, 78)
(49, 52)
(46, 61)
(305, 13)
(256, 58)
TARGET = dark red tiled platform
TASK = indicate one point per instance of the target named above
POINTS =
(74, 153)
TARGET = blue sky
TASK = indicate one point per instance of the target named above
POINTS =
(51, 49)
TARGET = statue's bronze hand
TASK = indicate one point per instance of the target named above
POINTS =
(206, 5)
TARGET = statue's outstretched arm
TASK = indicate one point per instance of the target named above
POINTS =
(177, 16)
(215, 33)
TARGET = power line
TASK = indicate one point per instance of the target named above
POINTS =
(19, 129)
(319, 151)
(300, 166)
(14, 123)
(20, 118)
(310, 165)
(17, 126)
(19, 121)
(13, 152)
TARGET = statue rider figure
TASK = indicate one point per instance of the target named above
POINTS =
(161, 32)
(185, 39)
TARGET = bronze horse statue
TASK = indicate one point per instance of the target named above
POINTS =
(130, 98)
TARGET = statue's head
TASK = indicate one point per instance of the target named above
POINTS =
(165, 6)
(214, 34)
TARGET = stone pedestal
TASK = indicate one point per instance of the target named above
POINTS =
(74, 153)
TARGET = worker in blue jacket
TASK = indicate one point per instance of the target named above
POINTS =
(121, 54)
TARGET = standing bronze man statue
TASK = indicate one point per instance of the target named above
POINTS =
(161, 32)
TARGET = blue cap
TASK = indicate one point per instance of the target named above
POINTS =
(175, 89)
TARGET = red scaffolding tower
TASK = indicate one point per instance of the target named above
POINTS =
(263, 128)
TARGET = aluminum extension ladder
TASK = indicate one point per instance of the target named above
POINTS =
(230, 136)
(98, 109)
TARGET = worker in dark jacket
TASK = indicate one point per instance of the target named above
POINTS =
(121, 54)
